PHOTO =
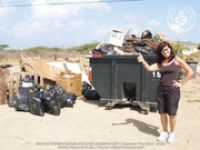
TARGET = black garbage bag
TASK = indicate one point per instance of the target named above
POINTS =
(85, 87)
(35, 103)
(146, 34)
(141, 49)
(106, 49)
(27, 82)
(22, 105)
(88, 92)
(96, 52)
(151, 50)
(22, 100)
(91, 94)
(67, 99)
(50, 99)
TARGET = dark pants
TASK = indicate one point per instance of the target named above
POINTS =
(168, 99)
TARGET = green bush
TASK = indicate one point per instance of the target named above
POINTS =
(178, 48)
(87, 47)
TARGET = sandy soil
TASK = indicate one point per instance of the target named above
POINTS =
(89, 126)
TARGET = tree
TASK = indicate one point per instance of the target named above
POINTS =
(198, 47)
(3, 46)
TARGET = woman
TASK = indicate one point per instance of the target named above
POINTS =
(168, 91)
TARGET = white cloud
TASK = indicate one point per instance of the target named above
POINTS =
(132, 29)
(2, 28)
(27, 28)
(53, 11)
(5, 13)
(153, 23)
(101, 7)
(102, 33)
(77, 24)
(130, 17)
(51, 17)
(34, 28)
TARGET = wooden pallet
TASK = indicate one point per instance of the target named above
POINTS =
(15, 79)
(4, 74)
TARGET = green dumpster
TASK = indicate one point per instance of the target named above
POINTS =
(118, 78)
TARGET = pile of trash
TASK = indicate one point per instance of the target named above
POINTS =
(39, 100)
(129, 44)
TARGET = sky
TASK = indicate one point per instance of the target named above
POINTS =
(31, 23)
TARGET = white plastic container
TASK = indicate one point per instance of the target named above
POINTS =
(117, 38)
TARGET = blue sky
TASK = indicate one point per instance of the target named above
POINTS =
(76, 24)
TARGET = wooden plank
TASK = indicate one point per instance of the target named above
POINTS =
(4, 74)
(44, 69)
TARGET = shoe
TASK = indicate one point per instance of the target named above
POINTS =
(163, 136)
(171, 138)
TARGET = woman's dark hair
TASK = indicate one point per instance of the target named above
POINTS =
(160, 57)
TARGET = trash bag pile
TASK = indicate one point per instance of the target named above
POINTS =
(41, 100)
(146, 44)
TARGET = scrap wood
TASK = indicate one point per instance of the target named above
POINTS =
(28, 65)
(51, 69)
(149, 42)
(4, 75)
(131, 39)
(41, 67)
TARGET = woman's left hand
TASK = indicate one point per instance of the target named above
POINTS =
(176, 84)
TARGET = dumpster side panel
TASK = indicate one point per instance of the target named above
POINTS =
(128, 86)
(101, 76)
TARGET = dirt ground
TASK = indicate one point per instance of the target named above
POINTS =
(89, 126)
